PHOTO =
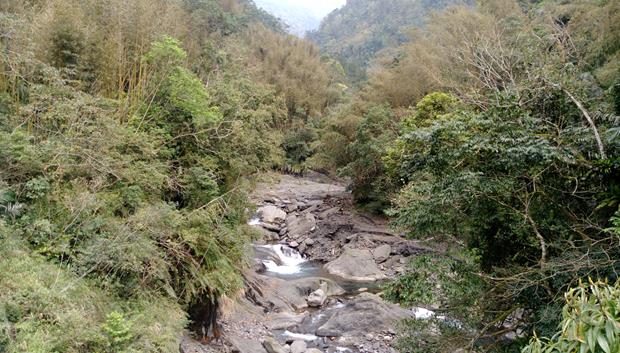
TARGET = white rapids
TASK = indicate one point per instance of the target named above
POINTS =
(290, 260)
(299, 336)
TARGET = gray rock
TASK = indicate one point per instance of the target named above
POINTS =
(382, 253)
(367, 314)
(313, 350)
(272, 346)
(300, 226)
(271, 214)
(292, 294)
(318, 297)
(268, 235)
(355, 265)
(284, 320)
(299, 347)
(309, 241)
(292, 207)
(293, 244)
(244, 345)
(271, 227)
(329, 212)
(189, 345)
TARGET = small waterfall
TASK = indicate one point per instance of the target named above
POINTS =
(289, 260)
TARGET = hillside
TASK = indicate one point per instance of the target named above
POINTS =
(183, 176)
(299, 16)
(361, 28)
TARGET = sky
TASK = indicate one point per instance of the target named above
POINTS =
(300, 15)
(318, 7)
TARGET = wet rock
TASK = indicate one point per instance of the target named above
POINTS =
(382, 253)
(271, 227)
(367, 313)
(293, 244)
(300, 226)
(355, 265)
(271, 214)
(268, 235)
(258, 266)
(318, 297)
(272, 346)
(299, 347)
(290, 295)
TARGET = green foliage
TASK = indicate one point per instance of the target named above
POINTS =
(298, 146)
(121, 212)
(355, 33)
(117, 331)
(451, 284)
(416, 287)
(590, 322)
(374, 132)
(166, 52)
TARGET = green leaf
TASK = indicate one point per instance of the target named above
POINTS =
(603, 343)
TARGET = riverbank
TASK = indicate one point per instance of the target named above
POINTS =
(315, 281)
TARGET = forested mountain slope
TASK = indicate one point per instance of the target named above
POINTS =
(129, 132)
(355, 33)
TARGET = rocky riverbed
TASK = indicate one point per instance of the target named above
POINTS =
(315, 280)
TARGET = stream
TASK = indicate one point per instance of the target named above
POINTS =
(317, 275)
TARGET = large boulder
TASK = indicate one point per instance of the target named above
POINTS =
(382, 253)
(272, 346)
(284, 320)
(355, 265)
(244, 345)
(367, 313)
(268, 235)
(292, 294)
(271, 214)
(300, 226)
(318, 297)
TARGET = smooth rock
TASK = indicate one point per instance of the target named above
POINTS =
(313, 350)
(367, 314)
(268, 235)
(292, 294)
(271, 214)
(355, 265)
(300, 226)
(299, 347)
(244, 345)
(271, 227)
(272, 346)
(293, 244)
(382, 253)
(284, 320)
(318, 297)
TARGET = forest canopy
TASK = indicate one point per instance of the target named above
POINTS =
(132, 133)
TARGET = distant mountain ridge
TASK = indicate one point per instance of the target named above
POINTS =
(299, 15)
(356, 32)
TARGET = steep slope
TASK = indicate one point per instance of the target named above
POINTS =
(356, 32)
